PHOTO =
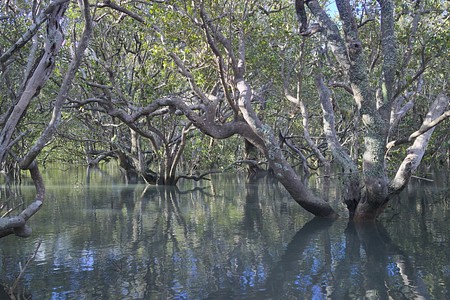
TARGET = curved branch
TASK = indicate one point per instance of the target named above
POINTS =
(220, 61)
(346, 87)
(112, 5)
(422, 130)
(18, 225)
(415, 152)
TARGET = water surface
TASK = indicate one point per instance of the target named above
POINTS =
(224, 239)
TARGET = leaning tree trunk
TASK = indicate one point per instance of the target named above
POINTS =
(277, 162)
(18, 224)
(54, 13)
(251, 127)
(37, 79)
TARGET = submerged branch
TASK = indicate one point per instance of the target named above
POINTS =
(17, 225)
(12, 288)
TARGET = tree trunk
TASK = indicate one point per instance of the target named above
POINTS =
(251, 154)
(252, 128)
(281, 168)
(39, 77)
(417, 150)
(350, 176)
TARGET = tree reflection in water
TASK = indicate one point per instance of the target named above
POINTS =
(366, 264)
(228, 240)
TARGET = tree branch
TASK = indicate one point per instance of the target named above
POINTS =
(18, 225)
(112, 5)
(65, 87)
(346, 87)
(332, 33)
(416, 151)
(41, 18)
(39, 77)
(423, 129)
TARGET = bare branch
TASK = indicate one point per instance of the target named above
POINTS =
(219, 58)
(112, 5)
(17, 225)
(346, 87)
(272, 10)
(423, 129)
(416, 151)
(365, 22)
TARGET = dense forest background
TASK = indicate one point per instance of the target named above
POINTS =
(178, 89)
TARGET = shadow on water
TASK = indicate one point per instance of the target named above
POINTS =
(230, 239)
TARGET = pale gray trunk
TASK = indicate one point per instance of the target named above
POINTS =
(17, 225)
(50, 130)
(349, 53)
(350, 176)
(416, 151)
(277, 162)
(40, 75)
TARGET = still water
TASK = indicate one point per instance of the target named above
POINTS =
(224, 239)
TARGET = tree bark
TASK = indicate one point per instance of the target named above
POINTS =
(416, 151)
(281, 168)
(18, 225)
(50, 130)
(349, 53)
(351, 180)
(55, 38)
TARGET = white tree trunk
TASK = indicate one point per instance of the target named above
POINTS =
(416, 151)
